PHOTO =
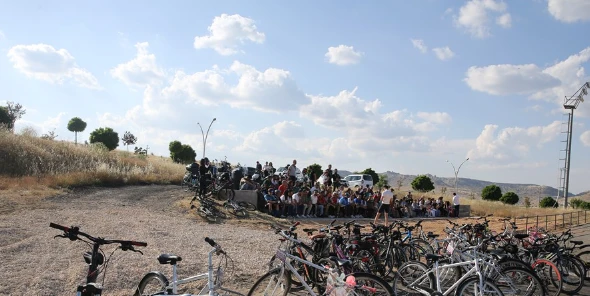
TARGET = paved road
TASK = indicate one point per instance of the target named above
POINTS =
(583, 233)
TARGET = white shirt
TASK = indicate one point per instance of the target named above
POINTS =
(386, 197)
(314, 199)
(292, 171)
(296, 198)
(455, 200)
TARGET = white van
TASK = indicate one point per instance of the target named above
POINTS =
(361, 180)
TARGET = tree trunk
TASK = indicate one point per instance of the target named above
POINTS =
(76, 138)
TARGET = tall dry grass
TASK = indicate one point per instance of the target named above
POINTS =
(30, 162)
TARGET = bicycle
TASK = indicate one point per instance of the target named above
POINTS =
(96, 258)
(215, 277)
(207, 209)
(339, 284)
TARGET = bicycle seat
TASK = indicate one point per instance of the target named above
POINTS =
(521, 235)
(433, 257)
(309, 230)
(577, 242)
(169, 259)
(432, 235)
(340, 262)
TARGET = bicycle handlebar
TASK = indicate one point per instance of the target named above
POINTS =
(74, 232)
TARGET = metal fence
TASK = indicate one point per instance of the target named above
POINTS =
(553, 222)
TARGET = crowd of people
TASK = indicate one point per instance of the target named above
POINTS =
(288, 195)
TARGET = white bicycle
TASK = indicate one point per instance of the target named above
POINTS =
(214, 277)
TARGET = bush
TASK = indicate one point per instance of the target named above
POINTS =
(107, 136)
(422, 183)
(577, 203)
(491, 192)
(548, 202)
(510, 198)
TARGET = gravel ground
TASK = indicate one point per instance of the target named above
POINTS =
(33, 263)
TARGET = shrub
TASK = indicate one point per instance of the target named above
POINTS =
(491, 192)
(548, 202)
(422, 183)
(107, 136)
(510, 198)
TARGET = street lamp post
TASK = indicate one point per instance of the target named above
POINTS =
(456, 171)
(205, 135)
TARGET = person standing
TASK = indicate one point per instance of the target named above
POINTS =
(456, 204)
(386, 200)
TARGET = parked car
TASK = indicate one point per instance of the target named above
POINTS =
(360, 180)
(283, 171)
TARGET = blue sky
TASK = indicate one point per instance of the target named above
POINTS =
(393, 85)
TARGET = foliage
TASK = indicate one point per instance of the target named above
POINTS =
(443, 190)
(76, 125)
(129, 139)
(422, 183)
(400, 183)
(382, 181)
(548, 202)
(140, 151)
(10, 114)
(491, 192)
(510, 198)
(374, 175)
(107, 136)
(29, 131)
(181, 153)
(316, 169)
(577, 203)
(527, 202)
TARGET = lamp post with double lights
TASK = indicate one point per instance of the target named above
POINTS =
(456, 171)
(205, 135)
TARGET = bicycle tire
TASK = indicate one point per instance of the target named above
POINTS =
(470, 281)
(403, 277)
(530, 278)
(551, 278)
(246, 205)
(584, 256)
(269, 275)
(139, 291)
(361, 277)
(569, 286)
(238, 212)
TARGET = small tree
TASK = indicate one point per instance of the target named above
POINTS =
(422, 183)
(181, 153)
(5, 118)
(548, 202)
(443, 190)
(107, 136)
(527, 202)
(315, 169)
(510, 198)
(491, 192)
(78, 125)
(49, 135)
(400, 183)
(129, 139)
(382, 181)
(10, 114)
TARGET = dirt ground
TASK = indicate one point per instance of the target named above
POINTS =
(34, 263)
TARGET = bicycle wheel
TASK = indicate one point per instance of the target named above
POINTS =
(549, 275)
(246, 205)
(517, 281)
(471, 287)
(585, 257)
(410, 280)
(274, 282)
(226, 193)
(424, 246)
(152, 284)
(572, 275)
(366, 280)
(236, 211)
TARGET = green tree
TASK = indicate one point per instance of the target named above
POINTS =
(5, 117)
(107, 136)
(527, 202)
(181, 153)
(175, 147)
(510, 198)
(129, 139)
(382, 181)
(316, 169)
(77, 125)
(374, 175)
(491, 192)
(10, 114)
(548, 202)
(422, 183)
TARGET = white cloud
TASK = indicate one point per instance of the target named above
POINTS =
(511, 143)
(474, 16)
(569, 11)
(443, 53)
(227, 32)
(504, 21)
(141, 71)
(44, 62)
(509, 79)
(343, 55)
(419, 44)
(585, 138)
(45, 126)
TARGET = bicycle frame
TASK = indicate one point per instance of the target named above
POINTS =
(173, 285)
(282, 256)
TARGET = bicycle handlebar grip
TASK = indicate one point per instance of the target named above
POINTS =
(139, 244)
(334, 221)
(210, 241)
(57, 226)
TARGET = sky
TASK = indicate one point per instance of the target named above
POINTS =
(401, 86)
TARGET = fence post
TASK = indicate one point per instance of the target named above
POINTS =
(555, 223)
(537, 226)
(578, 218)
(526, 224)
(571, 218)
(546, 220)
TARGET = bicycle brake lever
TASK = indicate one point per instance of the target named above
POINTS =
(60, 235)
